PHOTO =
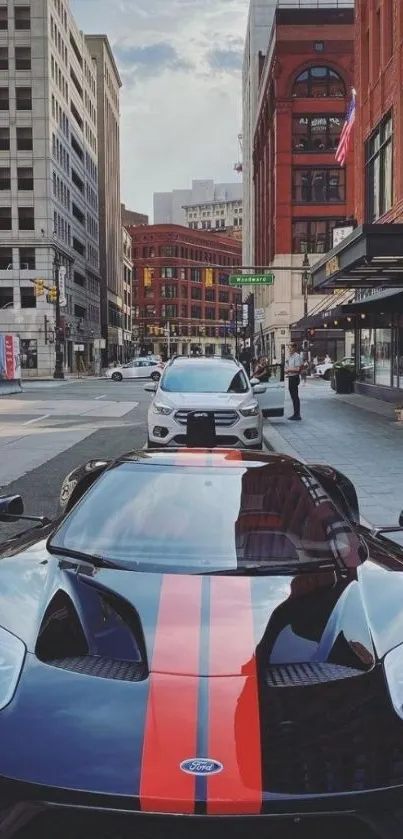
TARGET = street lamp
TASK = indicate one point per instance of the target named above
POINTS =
(306, 276)
(58, 372)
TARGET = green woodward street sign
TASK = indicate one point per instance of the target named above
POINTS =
(251, 279)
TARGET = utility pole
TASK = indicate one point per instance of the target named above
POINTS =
(58, 372)
(306, 274)
(168, 334)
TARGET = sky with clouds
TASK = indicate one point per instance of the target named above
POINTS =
(180, 62)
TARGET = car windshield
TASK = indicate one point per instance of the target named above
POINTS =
(196, 520)
(204, 378)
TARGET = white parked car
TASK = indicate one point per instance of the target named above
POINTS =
(138, 368)
(217, 385)
(324, 370)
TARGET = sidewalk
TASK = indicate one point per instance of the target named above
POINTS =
(353, 433)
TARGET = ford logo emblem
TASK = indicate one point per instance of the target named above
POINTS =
(201, 766)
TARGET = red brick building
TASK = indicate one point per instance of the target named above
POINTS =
(200, 317)
(370, 260)
(301, 193)
(307, 76)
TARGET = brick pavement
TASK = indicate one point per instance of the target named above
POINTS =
(358, 435)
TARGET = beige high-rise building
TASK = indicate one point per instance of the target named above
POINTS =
(108, 113)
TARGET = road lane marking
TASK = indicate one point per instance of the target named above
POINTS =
(31, 421)
(100, 397)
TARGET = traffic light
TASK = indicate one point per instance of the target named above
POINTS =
(305, 345)
(209, 277)
(148, 276)
(52, 296)
(39, 287)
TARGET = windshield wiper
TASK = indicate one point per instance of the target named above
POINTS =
(269, 568)
(94, 559)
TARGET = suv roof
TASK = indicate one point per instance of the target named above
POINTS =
(182, 359)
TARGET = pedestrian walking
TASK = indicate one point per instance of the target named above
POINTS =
(293, 367)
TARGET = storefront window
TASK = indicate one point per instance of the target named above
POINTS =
(29, 354)
(383, 356)
(379, 170)
(367, 353)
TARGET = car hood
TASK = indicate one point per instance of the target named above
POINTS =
(204, 401)
(195, 693)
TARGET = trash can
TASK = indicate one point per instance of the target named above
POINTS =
(344, 380)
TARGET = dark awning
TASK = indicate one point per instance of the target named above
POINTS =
(388, 299)
(371, 256)
(317, 320)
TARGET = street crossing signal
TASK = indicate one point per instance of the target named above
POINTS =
(148, 276)
(39, 287)
(52, 296)
(209, 277)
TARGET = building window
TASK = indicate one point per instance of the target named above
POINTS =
(312, 235)
(195, 275)
(27, 259)
(3, 18)
(24, 139)
(4, 99)
(379, 170)
(29, 354)
(23, 97)
(196, 293)
(25, 176)
(319, 46)
(6, 259)
(168, 273)
(169, 291)
(319, 83)
(22, 17)
(5, 178)
(316, 133)
(319, 186)
(5, 218)
(23, 58)
(5, 139)
(28, 297)
(6, 297)
(3, 58)
(26, 218)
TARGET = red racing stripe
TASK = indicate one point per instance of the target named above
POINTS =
(234, 723)
(171, 721)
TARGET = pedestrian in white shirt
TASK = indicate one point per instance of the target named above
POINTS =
(293, 367)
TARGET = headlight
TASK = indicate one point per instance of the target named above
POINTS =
(251, 411)
(393, 665)
(12, 654)
(159, 408)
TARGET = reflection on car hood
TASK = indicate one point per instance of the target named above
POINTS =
(204, 401)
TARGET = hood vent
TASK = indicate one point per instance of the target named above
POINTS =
(103, 668)
(308, 673)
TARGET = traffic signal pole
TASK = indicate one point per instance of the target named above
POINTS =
(58, 371)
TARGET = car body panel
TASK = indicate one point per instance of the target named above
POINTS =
(276, 679)
(272, 401)
(138, 368)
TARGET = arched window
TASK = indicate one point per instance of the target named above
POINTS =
(319, 83)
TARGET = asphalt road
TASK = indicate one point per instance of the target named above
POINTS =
(65, 410)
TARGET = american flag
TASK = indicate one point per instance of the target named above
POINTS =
(342, 148)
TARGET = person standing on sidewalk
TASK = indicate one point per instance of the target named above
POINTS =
(293, 367)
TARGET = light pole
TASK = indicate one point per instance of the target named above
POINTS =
(305, 281)
(58, 372)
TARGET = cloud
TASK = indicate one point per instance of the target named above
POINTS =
(181, 98)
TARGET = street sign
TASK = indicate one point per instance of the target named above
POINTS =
(259, 315)
(251, 279)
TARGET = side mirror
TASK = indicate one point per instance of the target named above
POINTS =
(11, 506)
(151, 387)
(254, 381)
(257, 389)
(401, 519)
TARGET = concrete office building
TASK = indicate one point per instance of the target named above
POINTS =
(173, 207)
(127, 278)
(130, 218)
(48, 183)
(108, 92)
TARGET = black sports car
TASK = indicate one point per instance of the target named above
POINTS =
(204, 640)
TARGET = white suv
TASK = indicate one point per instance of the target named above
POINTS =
(203, 384)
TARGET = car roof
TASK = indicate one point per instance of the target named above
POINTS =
(197, 360)
(207, 458)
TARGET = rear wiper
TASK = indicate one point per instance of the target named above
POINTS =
(94, 559)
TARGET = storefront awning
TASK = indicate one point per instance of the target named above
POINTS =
(387, 300)
(371, 256)
(318, 320)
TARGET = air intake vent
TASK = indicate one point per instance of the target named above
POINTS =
(103, 668)
(308, 673)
